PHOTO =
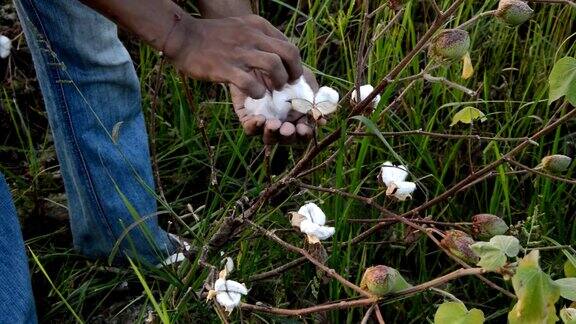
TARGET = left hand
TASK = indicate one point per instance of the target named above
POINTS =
(296, 127)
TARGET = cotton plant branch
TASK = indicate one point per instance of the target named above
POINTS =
(403, 219)
(421, 132)
(366, 301)
(540, 173)
(278, 271)
(479, 175)
(309, 257)
(432, 79)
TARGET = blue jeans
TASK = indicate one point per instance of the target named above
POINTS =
(90, 90)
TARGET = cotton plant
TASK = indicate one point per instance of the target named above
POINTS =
(394, 178)
(5, 46)
(311, 220)
(298, 96)
(228, 293)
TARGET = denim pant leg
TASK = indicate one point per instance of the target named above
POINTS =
(16, 298)
(90, 91)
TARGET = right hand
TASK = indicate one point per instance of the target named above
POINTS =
(229, 50)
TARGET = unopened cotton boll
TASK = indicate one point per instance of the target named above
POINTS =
(327, 94)
(5, 46)
(365, 90)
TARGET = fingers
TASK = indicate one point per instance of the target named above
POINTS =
(288, 53)
(248, 83)
(272, 65)
(287, 133)
(252, 124)
(271, 131)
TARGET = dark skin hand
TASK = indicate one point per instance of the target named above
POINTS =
(234, 47)
(296, 127)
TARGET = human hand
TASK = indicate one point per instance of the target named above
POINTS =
(296, 127)
(231, 49)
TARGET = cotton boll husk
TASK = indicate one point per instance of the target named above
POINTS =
(261, 106)
(327, 94)
(390, 173)
(5, 46)
(365, 90)
(313, 213)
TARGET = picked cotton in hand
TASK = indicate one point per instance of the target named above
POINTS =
(278, 104)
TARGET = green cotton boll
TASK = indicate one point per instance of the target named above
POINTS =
(556, 163)
(458, 243)
(381, 280)
(450, 44)
(485, 226)
(514, 12)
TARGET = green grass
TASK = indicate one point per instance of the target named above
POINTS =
(512, 66)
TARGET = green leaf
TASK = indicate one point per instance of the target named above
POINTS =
(508, 244)
(563, 80)
(456, 313)
(493, 254)
(536, 293)
(491, 257)
(468, 115)
(567, 288)
(569, 269)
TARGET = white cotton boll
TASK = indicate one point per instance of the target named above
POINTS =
(5, 46)
(327, 94)
(281, 102)
(229, 293)
(365, 90)
(302, 90)
(229, 301)
(393, 174)
(313, 213)
(261, 106)
(320, 232)
(404, 190)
